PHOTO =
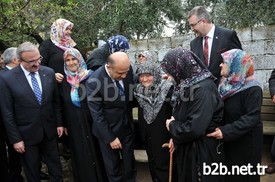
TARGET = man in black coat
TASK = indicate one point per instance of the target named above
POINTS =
(109, 92)
(31, 113)
(219, 39)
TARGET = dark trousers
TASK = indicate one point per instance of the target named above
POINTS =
(31, 160)
(112, 160)
(273, 150)
(15, 167)
(3, 159)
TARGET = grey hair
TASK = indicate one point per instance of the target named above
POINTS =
(9, 54)
(200, 12)
(25, 47)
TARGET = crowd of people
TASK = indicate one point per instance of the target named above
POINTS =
(202, 106)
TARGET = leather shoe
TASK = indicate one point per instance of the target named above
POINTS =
(270, 168)
(44, 176)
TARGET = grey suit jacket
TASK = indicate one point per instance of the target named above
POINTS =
(24, 118)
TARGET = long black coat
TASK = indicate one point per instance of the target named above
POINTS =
(84, 148)
(198, 114)
(153, 136)
(243, 132)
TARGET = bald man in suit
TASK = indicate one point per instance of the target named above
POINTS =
(109, 94)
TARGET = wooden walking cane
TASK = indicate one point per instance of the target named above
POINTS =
(170, 162)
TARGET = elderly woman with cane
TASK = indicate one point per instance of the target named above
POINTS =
(153, 95)
(197, 112)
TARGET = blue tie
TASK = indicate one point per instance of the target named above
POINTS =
(36, 88)
(121, 90)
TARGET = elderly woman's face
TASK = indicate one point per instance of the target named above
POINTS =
(224, 69)
(141, 59)
(146, 79)
(71, 63)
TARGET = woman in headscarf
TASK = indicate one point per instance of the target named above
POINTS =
(154, 95)
(52, 49)
(144, 56)
(197, 112)
(84, 148)
(242, 129)
(98, 56)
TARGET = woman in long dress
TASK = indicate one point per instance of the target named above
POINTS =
(242, 129)
(197, 112)
(154, 95)
(86, 158)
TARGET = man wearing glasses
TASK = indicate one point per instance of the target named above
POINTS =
(31, 113)
(211, 40)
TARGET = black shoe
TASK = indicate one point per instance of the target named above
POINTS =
(44, 176)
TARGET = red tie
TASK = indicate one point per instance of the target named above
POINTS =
(205, 50)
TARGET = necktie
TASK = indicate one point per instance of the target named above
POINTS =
(205, 50)
(36, 88)
(121, 90)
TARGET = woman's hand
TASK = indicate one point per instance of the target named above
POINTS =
(216, 134)
(168, 121)
(60, 131)
(59, 77)
(171, 146)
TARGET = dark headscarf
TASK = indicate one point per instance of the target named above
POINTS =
(151, 98)
(186, 67)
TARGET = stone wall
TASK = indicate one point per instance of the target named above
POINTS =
(259, 42)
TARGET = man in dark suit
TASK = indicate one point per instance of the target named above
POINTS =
(218, 39)
(31, 113)
(14, 163)
(109, 92)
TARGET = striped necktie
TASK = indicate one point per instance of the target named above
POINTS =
(36, 88)
(121, 90)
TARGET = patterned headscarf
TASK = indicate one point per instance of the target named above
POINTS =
(151, 98)
(57, 34)
(118, 43)
(75, 78)
(186, 68)
(241, 73)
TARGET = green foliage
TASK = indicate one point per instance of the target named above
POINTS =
(29, 20)
(22, 20)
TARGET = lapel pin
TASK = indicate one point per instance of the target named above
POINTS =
(216, 37)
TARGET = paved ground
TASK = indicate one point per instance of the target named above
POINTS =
(143, 172)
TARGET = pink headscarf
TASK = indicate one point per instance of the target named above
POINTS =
(57, 34)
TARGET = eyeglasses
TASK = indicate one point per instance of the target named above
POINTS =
(193, 25)
(33, 61)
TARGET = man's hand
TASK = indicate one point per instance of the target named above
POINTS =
(19, 147)
(60, 131)
(116, 144)
(59, 77)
